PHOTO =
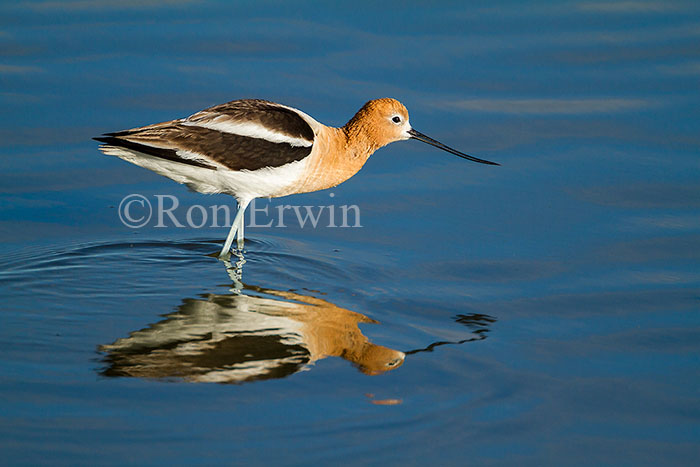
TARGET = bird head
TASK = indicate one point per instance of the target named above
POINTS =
(384, 121)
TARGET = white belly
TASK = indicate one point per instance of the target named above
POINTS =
(243, 184)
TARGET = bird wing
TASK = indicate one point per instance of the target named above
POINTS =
(239, 135)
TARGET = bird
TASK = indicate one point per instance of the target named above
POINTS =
(254, 148)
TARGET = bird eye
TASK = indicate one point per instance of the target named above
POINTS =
(396, 119)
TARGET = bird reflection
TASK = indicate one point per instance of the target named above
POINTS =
(241, 337)
(254, 333)
(477, 323)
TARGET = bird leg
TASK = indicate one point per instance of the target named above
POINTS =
(241, 226)
(236, 228)
(226, 250)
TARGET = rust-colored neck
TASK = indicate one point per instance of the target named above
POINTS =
(360, 136)
(338, 154)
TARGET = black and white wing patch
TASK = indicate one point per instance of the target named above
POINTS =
(239, 135)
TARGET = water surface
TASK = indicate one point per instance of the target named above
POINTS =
(541, 312)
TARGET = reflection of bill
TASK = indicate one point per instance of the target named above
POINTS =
(241, 337)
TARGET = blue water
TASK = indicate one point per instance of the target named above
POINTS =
(547, 309)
